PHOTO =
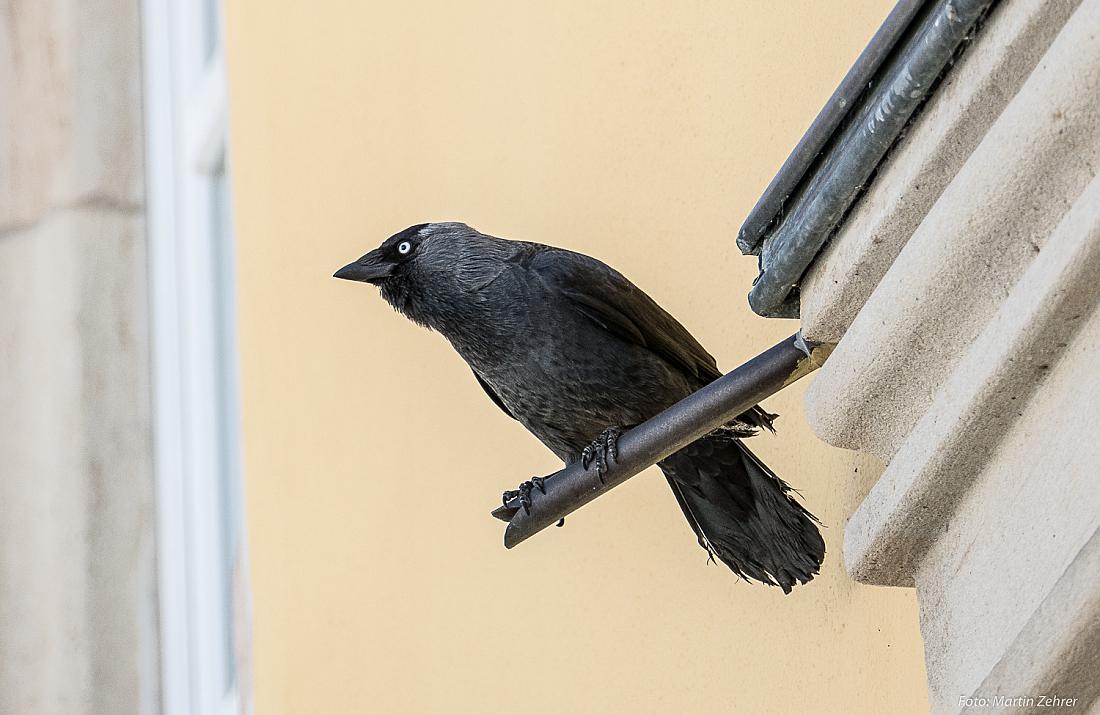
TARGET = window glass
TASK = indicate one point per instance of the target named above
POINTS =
(223, 320)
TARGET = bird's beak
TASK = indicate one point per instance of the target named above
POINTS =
(371, 268)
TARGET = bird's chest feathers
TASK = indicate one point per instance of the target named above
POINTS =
(481, 315)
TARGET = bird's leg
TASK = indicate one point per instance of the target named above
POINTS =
(603, 450)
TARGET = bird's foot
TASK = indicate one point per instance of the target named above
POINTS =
(524, 492)
(603, 451)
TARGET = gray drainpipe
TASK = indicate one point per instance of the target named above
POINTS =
(789, 225)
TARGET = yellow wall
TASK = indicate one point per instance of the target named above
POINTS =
(640, 133)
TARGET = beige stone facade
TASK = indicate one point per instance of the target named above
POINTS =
(962, 291)
(78, 607)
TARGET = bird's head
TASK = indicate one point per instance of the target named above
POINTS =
(412, 264)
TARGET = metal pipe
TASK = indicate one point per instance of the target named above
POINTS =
(823, 129)
(656, 438)
(822, 200)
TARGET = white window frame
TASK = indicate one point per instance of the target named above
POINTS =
(186, 129)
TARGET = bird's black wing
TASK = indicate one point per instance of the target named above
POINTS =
(607, 298)
(492, 395)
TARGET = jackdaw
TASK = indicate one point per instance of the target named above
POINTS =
(575, 352)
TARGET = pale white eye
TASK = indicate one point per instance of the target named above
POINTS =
(404, 247)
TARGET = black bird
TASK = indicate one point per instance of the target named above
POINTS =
(576, 352)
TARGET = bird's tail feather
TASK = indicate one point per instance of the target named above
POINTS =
(743, 514)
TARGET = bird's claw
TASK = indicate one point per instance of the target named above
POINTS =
(524, 493)
(603, 450)
(524, 496)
